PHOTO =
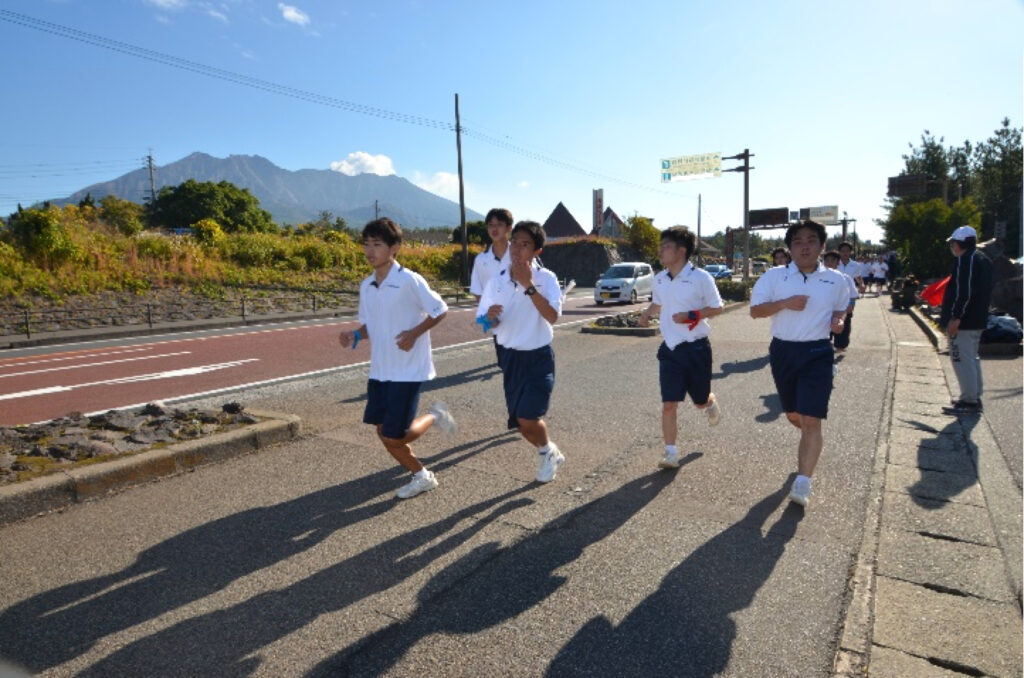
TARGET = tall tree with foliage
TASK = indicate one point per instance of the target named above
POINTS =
(919, 230)
(989, 173)
(235, 209)
(643, 237)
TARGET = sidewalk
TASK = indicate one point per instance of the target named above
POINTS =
(937, 590)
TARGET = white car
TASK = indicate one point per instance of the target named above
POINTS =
(625, 282)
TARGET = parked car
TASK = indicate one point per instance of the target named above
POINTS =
(719, 271)
(625, 282)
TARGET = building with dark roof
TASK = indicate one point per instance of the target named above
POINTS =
(562, 224)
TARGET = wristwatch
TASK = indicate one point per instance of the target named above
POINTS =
(530, 291)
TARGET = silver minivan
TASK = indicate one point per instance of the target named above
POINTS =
(626, 282)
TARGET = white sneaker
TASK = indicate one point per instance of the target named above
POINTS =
(669, 460)
(801, 492)
(443, 419)
(714, 412)
(549, 463)
(418, 485)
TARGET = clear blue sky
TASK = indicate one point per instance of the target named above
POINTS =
(827, 95)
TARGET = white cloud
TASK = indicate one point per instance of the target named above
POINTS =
(444, 184)
(524, 184)
(168, 4)
(361, 162)
(293, 14)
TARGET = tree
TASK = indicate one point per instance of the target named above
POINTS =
(918, 231)
(643, 237)
(476, 232)
(123, 215)
(997, 175)
(235, 209)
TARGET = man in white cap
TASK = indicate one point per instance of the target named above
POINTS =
(965, 314)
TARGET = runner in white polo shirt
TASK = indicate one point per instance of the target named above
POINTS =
(396, 311)
(806, 302)
(855, 271)
(686, 297)
(522, 303)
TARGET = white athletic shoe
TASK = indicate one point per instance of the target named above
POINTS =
(714, 412)
(669, 460)
(443, 419)
(801, 492)
(548, 465)
(418, 485)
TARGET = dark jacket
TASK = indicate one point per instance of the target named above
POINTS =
(968, 292)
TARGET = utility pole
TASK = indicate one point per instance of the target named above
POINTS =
(745, 156)
(376, 210)
(462, 198)
(698, 231)
(152, 180)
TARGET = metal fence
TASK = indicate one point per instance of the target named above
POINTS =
(259, 305)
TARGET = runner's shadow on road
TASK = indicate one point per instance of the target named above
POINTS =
(741, 367)
(773, 408)
(483, 373)
(53, 627)
(685, 628)
(513, 580)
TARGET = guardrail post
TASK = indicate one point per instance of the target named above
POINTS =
(314, 303)
(243, 308)
(28, 328)
(149, 315)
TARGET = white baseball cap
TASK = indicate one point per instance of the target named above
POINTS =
(963, 233)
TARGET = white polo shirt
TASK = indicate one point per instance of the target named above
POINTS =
(691, 290)
(828, 293)
(401, 302)
(852, 269)
(486, 266)
(521, 326)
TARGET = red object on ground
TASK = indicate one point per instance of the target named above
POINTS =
(933, 293)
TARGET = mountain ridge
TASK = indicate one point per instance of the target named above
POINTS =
(293, 196)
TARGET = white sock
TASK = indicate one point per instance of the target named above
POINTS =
(671, 449)
(544, 449)
(422, 473)
(801, 480)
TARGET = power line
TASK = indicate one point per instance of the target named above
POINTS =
(311, 97)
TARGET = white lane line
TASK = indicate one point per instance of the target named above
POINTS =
(18, 362)
(153, 376)
(65, 368)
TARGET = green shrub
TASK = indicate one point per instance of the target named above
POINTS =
(734, 290)
(208, 233)
(154, 246)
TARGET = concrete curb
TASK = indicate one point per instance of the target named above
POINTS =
(60, 490)
(642, 331)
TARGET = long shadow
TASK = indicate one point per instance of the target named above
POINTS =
(773, 408)
(948, 453)
(685, 627)
(55, 626)
(482, 373)
(221, 643)
(741, 367)
(514, 579)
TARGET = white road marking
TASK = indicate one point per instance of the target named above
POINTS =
(153, 376)
(18, 362)
(106, 362)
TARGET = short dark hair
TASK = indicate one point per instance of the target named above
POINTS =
(534, 230)
(818, 229)
(682, 237)
(383, 229)
(832, 254)
(845, 244)
(501, 214)
(781, 250)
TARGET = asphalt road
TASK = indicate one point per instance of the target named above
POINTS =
(298, 561)
(38, 385)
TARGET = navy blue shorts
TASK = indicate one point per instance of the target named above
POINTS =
(685, 369)
(392, 405)
(803, 375)
(529, 381)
